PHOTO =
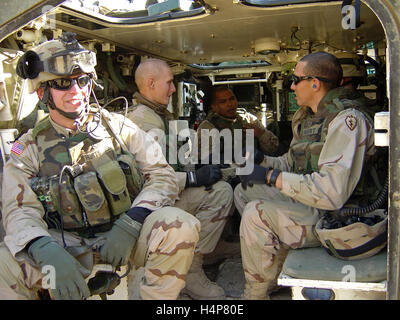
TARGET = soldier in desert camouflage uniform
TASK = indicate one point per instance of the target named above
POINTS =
(332, 139)
(224, 114)
(212, 207)
(85, 180)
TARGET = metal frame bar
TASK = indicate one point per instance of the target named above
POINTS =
(388, 11)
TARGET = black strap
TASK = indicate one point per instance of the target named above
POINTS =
(373, 243)
(138, 214)
(274, 176)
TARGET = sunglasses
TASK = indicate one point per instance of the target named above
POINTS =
(67, 83)
(296, 79)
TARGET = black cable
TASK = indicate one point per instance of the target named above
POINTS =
(59, 202)
(126, 109)
(361, 211)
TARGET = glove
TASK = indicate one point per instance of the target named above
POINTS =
(258, 176)
(69, 282)
(257, 156)
(205, 176)
(120, 241)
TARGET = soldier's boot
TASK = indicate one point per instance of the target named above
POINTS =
(256, 290)
(223, 250)
(198, 286)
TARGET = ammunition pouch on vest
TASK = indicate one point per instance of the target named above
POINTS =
(92, 193)
(55, 199)
(92, 198)
(134, 180)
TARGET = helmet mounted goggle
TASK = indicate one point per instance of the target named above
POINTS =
(61, 63)
(64, 64)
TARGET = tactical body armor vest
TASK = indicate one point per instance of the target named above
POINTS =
(310, 131)
(225, 123)
(88, 181)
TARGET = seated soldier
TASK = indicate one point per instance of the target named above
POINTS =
(87, 183)
(211, 205)
(224, 114)
(332, 142)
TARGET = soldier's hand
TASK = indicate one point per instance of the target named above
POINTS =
(120, 241)
(69, 282)
(255, 155)
(257, 176)
(258, 131)
(205, 176)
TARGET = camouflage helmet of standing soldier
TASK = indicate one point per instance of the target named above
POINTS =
(353, 64)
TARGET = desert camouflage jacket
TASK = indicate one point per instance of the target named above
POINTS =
(22, 211)
(267, 143)
(328, 151)
(155, 122)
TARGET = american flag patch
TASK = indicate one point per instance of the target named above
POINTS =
(17, 148)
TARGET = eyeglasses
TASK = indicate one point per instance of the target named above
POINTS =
(65, 84)
(296, 79)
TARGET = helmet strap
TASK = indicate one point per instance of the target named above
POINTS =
(47, 99)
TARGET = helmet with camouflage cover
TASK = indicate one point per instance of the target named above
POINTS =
(55, 59)
(354, 239)
(353, 65)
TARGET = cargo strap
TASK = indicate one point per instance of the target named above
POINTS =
(373, 243)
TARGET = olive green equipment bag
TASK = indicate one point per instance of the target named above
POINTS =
(59, 197)
(92, 198)
(134, 178)
(114, 182)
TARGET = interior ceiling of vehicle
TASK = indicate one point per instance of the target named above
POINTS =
(231, 32)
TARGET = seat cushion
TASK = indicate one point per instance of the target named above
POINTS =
(317, 264)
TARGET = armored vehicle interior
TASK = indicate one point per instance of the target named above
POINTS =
(250, 45)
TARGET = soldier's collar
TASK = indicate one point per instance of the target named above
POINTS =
(159, 108)
(213, 114)
(329, 99)
(66, 132)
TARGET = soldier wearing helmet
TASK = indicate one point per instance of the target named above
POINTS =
(47, 65)
(86, 182)
(354, 70)
(354, 74)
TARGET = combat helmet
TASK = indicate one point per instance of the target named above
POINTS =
(353, 65)
(355, 237)
(55, 59)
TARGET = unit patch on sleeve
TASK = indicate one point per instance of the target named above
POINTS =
(351, 122)
(17, 148)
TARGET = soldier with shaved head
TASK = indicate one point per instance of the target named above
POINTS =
(212, 205)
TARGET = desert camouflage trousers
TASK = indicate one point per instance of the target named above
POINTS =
(212, 208)
(271, 224)
(161, 258)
